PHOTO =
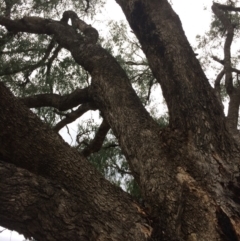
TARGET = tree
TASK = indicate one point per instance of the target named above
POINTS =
(187, 172)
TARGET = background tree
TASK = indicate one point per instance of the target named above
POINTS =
(224, 29)
(187, 172)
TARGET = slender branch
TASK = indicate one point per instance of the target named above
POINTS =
(60, 113)
(79, 136)
(68, 131)
(138, 76)
(74, 115)
(149, 88)
(222, 62)
(135, 43)
(115, 166)
(218, 81)
(28, 24)
(110, 146)
(49, 65)
(88, 5)
(236, 70)
(62, 103)
(215, 58)
(233, 109)
(97, 142)
(135, 63)
(227, 7)
(10, 71)
(227, 47)
(217, 86)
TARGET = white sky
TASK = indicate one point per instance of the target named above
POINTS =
(195, 20)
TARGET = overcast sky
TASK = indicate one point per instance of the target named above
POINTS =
(195, 20)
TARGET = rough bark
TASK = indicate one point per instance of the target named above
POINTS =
(188, 173)
(106, 212)
(205, 147)
(62, 103)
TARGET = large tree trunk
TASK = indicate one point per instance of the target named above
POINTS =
(201, 155)
(188, 173)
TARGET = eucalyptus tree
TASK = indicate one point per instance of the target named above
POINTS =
(187, 172)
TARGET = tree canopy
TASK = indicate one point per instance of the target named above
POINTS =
(180, 170)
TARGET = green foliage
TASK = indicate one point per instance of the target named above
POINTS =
(52, 8)
(34, 64)
(133, 188)
(163, 120)
(112, 164)
(109, 160)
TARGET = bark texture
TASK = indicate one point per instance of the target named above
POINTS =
(48, 180)
(188, 173)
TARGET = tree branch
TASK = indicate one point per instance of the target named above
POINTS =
(227, 7)
(217, 86)
(70, 117)
(49, 65)
(222, 62)
(91, 34)
(98, 140)
(88, 5)
(28, 24)
(233, 109)
(149, 88)
(136, 63)
(218, 81)
(62, 103)
(115, 166)
(217, 59)
(10, 71)
(227, 47)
